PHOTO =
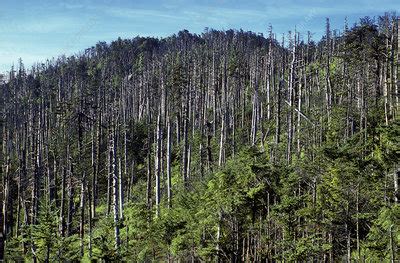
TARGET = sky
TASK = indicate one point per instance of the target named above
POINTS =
(36, 30)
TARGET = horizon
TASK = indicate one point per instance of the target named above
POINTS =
(37, 31)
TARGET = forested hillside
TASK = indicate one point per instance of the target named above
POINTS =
(227, 146)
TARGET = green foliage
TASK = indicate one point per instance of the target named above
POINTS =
(42, 240)
(103, 242)
(383, 238)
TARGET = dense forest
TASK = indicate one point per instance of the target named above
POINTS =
(225, 146)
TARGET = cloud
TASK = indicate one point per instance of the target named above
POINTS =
(131, 13)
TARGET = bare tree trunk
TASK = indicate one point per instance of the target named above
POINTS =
(114, 175)
(157, 162)
(290, 100)
(4, 212)
(396, 178)
(90, 219)
(62, 205)
(120, 192)
(123, 175)
(148, 192)
(169, 145)
(185, 141)
(221, 142)
(299, 105)
(357, 222)
(96, 166)
(70, 200)
(109, 175)
(328, 77)
(278, 117)
(82, 214)
(254, 119)
(397, 69)
(2, 238)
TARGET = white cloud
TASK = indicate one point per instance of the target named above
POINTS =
(131, 13)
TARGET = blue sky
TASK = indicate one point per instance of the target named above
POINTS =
(39, 29)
